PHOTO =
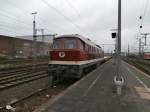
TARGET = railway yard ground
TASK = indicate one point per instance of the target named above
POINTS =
(18, 63)
(28, 89)
(34, 101)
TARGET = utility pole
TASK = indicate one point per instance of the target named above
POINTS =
(118, 40)
(128, 50)
(43, 39)
(145, 36)
(103, 49)
(118, 79)
(139, 46)
(119, 28)
(34, 38)
(142, 49)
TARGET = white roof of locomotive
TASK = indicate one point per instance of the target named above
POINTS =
(87, 41)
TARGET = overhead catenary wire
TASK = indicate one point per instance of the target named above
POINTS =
(78, 14)
(12, 24)
(14, 19)
(10, 32)
(142, 17)
(39, 18)
(73, 7)
(61, 14)
(9, 16)
(27, 13)
(15, 27)
(21, 9)
(21, 26)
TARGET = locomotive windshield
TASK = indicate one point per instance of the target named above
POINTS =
(70, 44)
(64, 43)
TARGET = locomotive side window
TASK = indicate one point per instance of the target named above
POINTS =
(86, 47)
(90, 49)
(70, 44)
(81, 47)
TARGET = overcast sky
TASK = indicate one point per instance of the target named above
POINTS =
(93, 19)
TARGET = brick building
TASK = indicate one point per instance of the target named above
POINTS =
(13, 47)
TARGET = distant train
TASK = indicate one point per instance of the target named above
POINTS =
(147, 55)
(75, 55)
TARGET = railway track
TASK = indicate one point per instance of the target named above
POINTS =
(4, 73)
(20, 76)
(18, 66)
(24, 76)
(14, 61)
(143, 65)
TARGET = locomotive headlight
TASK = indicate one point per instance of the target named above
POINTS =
(61, 54)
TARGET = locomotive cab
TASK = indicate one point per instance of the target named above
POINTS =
(68, 49)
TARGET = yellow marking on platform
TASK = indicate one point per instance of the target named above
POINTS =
(144, 94)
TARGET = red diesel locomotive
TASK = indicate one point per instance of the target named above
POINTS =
(75, 55)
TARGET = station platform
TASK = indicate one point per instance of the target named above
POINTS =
(96, 92)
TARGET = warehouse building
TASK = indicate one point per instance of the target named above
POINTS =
(15, 47)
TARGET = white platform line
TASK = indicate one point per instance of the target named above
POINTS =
(139, 80)
(92, 84)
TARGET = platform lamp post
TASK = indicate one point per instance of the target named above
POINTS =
(34, 39)
(118, 79)
(118, 39)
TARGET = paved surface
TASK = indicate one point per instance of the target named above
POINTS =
(97, 92)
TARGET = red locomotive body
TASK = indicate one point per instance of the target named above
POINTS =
(147, 55)
(75, 54)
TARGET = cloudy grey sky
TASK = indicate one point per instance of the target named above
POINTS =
(93, 19)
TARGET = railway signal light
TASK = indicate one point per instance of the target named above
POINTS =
(114, 34)
(140, 17)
